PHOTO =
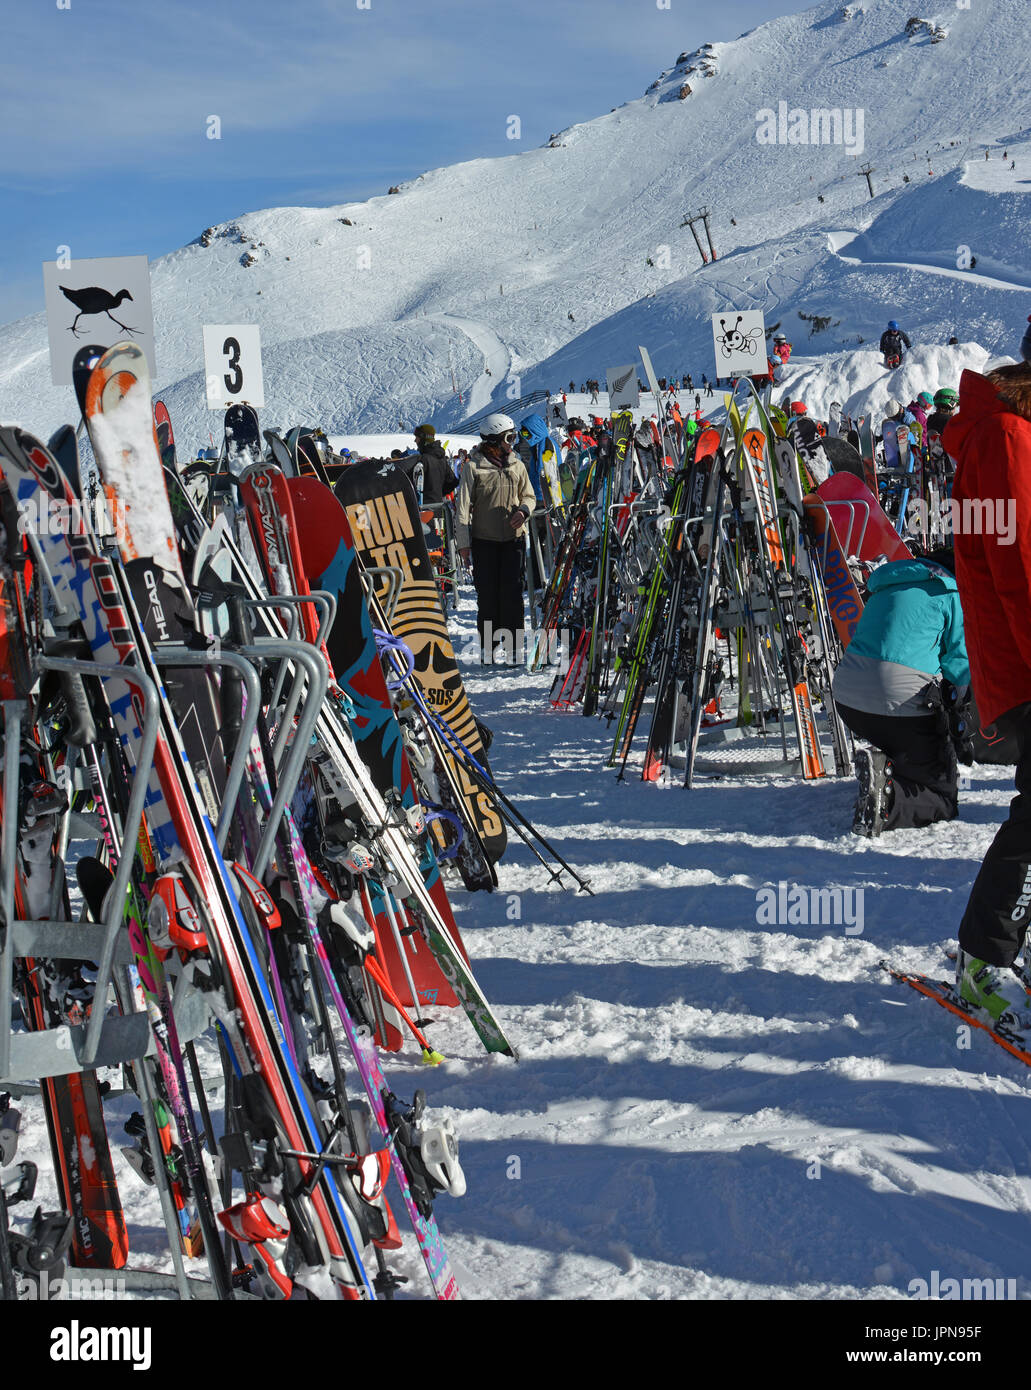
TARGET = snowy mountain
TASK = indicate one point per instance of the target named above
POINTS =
(380, 313)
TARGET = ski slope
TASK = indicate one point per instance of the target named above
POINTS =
(454, 294)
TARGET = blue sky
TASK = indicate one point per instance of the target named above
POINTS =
(320, 101)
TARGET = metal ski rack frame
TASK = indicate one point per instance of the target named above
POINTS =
(172, 655)
(312, 668)
(102, 1041)
(322, 600)
(392, 577)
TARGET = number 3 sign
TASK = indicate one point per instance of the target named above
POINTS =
(232, 365)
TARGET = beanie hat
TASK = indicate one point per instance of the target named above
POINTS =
(425, 432)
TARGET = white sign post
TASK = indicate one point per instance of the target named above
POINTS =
(739, 342)
(101, 301)
(622, 384)
(232, 365)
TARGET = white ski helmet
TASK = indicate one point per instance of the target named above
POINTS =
(496, 425)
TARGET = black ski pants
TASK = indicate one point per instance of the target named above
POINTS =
(923, 760)
(498, 577)
(996, 918)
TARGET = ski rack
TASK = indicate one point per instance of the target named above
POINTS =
(102, 1041)
(125, 1037)
(171, 654)
(325, 604)
(321, 599)
(311, 666)
(392, 576)
(853, 505)
(310, 669)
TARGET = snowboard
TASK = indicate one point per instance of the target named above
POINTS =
(843, 457)
(890, 440)
(384, 516)
(860, 521)
(242, 437)
(843, 599)
(329, 561)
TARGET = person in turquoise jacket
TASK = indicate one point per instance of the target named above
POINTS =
(904, 669)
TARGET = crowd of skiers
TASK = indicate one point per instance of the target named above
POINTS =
(943, 647)
(685, 382)
(942, 650)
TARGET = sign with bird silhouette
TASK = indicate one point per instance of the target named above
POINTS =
(104, 300)
(622, 384)
(232, 365)
(739, 342)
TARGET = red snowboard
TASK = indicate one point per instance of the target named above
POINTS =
(860, 521)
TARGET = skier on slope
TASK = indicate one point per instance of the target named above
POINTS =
(892, 340)
(990, 439)
(781, 348)
(495, 501)
(888, 689)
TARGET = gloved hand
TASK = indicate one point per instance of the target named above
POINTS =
(958, 710)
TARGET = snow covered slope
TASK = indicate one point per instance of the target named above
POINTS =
(373, 314)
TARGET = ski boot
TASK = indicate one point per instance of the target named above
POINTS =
(996, 992)
(876, 792)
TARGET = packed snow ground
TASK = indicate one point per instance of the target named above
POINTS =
(685, 1071)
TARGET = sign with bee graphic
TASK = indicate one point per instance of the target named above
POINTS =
(739, 342)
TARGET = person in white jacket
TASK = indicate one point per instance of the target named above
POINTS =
(495, 500)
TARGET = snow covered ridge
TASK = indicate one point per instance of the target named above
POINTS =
(479, 283)
(689, 68)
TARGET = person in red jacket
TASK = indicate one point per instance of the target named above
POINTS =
(990, 440)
